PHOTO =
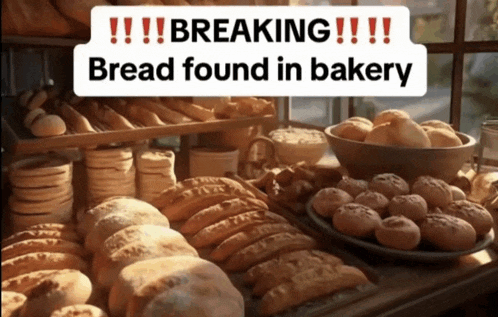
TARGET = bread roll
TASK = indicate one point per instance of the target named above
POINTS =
(413, 207)
(362, 120)
(475, 214)
(437, 124)
(356, 220)
(33, 116)
(41, 234)
(448, 233)
(81, 310)
(436, 192)
(41, 261)
(64, 289)
(24, 97)
(327, 200)
(267, 248)
(398, 232)
(373, 200)
(47, 126)
(389, 185)
(163, 112)
(42, 245)
(218, 212)
(75, 119)
(457, 193)
(382, 135)
(408, 133)
(310, 284)
(443, 138)
(387, 116)
(352, 186)
(12, 303)
(352, 130)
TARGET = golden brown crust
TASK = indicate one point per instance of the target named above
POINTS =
(79, 310)
(356, 220)
(41, 234)
(412, 206)
(387, 116)
(437, 124)
(408, 133)
(24, 282)
(436, 192)
(42, 245)
(12, 303)
(352, 186)
(475, 214)
(443, 138)
(398, 232)
(382, 135)
(327, 200)
(373, 200)
(353, 130)
(448, 233)
(389, 185)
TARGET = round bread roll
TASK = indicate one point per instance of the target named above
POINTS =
(448, 233)
(42, 245)
(12, 303)
(437, 124)
(208, 288)
(49, 125)
(475, 214)
(373, 200)
(362, 120)
(399, 233)
(443, 138)
(353, 130)
(389, 185)
(457, 193)
(413, 207)
(32, 116)
(327, 201)
(352, 186)
(356, 220)
(387, 116)
(57, 291)
(382, 135)
(79, 310)
(436, 192)
(408, 133)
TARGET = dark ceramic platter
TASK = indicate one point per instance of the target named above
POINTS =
(326, 227)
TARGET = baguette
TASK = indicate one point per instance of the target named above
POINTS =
(42, 245)
(187, 203)
(194, 111)
(164, 113)
(244, 238)
(41, 234)
(37, 261)
(38, 99)
(219, 212)
(310, 284)
(267, 248)
(219, 231)
(115, 120)
(168, 196)
(79, 122)
(144, 116)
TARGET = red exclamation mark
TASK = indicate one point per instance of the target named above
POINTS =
(127, 22)
(354, 29)
(372, 22)
(340, 28)
(160, 30)
(114, 28)
(146, 23)
(387, 28)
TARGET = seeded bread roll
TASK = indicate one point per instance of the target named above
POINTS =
(373, 200)
(42, 245)
(64, 289)
(436, 192)
(352, 130)
(475, 214)
(327, 200)
(398, 232)
(389, 185)
(413, 207)
(448, 233)
(12, 303)
(79, 310)
(443, 138)
(387, 116)
(352, 186)
(356, 220)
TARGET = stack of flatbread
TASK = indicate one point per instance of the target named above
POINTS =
(41, 191)
(110, 172)
(156, 172)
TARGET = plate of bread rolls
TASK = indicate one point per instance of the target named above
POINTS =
(427, 220)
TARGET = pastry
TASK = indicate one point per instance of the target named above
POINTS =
(356, 220)
(436, 192)
(398, 232)
(412, 206)
(389, 185)
(327, 200)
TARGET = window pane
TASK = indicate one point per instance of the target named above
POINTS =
(480, 91)
(434, 105)
(313, 110)
(482, 20)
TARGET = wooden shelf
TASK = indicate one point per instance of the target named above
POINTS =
(41, 41)
(21, 141)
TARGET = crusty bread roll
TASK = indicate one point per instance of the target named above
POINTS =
(63, 289)
(221, 230)
(267, 248)
(412, 206)
(12, 303)
(356, 220)
(80, 310)
(389, 185)
(327, 200)
(218, 212)
(310, 284)
(478, 216)
(436, 192)
(47, 126)
(41, 261)
(352, 186)
(352, 130)
(408, 133)
(244, 238)
(204, 281)
(382, 135)
(448, 233)
(457, 193)
(362, 120)
(42, 245)
(398, 232)
(373, 200)
(443, 138)
(437, 124)
(387, 116)
(40, 234)
(135, 275)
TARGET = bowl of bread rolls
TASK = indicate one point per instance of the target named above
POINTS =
(394, 143)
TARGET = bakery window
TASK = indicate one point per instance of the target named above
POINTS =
(461, 37)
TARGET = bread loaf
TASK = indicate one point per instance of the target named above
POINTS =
(82, 310)
(79, 122)
(42, 245)
(41, 234)
(163, 112)
(24, 282)
(12, 303)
